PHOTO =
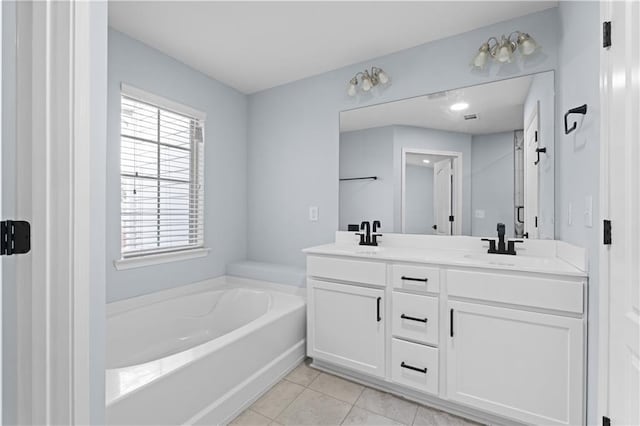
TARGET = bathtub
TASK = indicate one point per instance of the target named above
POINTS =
(199, 355)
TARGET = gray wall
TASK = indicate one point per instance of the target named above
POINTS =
(225, 165)
(418, 213)
(367, 153)
(578, 154)
(492, 183)
(542, 91)
(294, 130)
(437, 140)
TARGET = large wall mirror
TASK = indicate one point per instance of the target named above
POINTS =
(453, 163)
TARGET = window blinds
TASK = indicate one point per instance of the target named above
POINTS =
(162, 179)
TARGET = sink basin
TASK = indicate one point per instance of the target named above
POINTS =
(508, 260)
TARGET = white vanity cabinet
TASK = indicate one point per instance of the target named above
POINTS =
(520, 364)
(500, 343)
(346, 322)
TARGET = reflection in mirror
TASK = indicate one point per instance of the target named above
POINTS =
(455, 162)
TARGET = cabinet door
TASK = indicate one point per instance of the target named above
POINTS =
(346, 325)
(523, 365)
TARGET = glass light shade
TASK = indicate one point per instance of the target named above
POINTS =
(383, 77)
(504, 52)
(480, 60)
(351, 91)
(526, 44)
(366, 83)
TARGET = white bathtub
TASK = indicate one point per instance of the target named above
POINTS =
(199, 355)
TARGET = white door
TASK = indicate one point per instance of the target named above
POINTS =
(621, 138)
(346, 326)
(442, 199)
(523, 365)
(531, 143)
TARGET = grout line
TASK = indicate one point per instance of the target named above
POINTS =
(345, 417)
(415, 416)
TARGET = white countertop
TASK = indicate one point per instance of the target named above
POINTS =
(453, 257)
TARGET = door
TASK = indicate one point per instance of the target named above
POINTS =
(442, 197)
(345, 326)
(531, 143)
(620, 97)
(523, 365)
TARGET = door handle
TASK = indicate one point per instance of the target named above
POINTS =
(378, 316)
(451, 321)
(538, 151)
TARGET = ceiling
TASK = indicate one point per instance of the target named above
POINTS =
(253, 46)
(498, 105)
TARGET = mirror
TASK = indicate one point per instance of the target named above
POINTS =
(453, 163)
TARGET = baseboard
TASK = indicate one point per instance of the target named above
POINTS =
(225, 409)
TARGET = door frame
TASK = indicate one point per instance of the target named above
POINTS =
(609, 79)
(56, 128)
(457, 184)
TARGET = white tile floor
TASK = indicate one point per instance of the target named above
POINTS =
(308, 397)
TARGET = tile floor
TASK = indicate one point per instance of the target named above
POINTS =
(309, 397)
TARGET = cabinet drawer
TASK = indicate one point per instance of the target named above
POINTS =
(414, 365)
(415, 317)
(417, 278)
(360, 271)
(543, 293)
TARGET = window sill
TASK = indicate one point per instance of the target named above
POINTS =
(157, 259)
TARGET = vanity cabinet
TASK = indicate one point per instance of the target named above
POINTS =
(520, 364)
(347, 326)
(500, 344)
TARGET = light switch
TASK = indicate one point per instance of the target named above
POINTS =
(313, 213)
(588, 211)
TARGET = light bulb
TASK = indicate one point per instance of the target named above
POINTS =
(352, 90)
(426, 161)
(460, 106)
(526, 44)
(366, 83)
(383, 77)
(505, 51)
(480, 60)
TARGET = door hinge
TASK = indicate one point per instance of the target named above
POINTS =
(451, 218)
(606, 421)
(536, 136)
(536, 221)
(606, 231)
(606, 34)
(15, 237)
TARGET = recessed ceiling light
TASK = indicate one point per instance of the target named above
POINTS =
(426, 161)
(459, 106)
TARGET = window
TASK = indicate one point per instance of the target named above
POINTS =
(161, 175)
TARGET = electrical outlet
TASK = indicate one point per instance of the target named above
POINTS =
(479, 214)
(313, 213)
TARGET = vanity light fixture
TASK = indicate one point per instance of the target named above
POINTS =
(503, 50)
(367, 80)
(459, 106)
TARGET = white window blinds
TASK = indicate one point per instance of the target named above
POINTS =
(161, 178)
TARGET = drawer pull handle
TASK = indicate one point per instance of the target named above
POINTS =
(378, 317)
(411, 367)
(422, 280)
(407, 317)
